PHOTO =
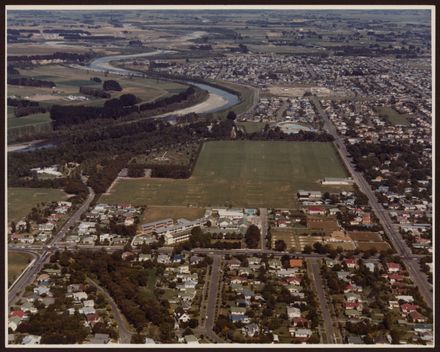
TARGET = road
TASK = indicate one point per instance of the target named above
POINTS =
(32, 271)
(314, 272)
(416, 275)
(213, 293)
(125, 331)
(264, 227)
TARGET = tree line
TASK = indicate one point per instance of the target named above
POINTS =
(54, 56)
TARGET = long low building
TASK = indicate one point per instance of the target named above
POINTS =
(337, 181)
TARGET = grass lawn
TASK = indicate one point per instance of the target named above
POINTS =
(17, 262)
(252, 127)
(21, 200)
(240, 173)
(247, 97)
(393, 116)
(30, 120)
(173, 212)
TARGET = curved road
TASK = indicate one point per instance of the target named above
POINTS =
(125, 331)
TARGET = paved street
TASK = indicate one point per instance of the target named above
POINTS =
(264, 227)
(212, 298)
(418, 277)
(124, 328)
(314, 272)
(32, 271)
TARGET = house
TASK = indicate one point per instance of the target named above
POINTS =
(75, 288)
(239, 318)
(408, 308)
(233, 263)
(251, 330)
(144, 257)
(149, 341)
(163, 259)
(28, 307)
(127, 255)
(300, 333)
(300, 321)
(293, 312)
(353, 305)
(100, 339)
(31, 340)
(238, 311)
(296, 263)
(406, 298)
(370, 266)
(41, 290)
(13, 323)
(48, 301)
(315, 210)
(393, 267)
(355, 340)
(79, 296)
(194, 260)
(416, 317)
(351, 263)
(275, 263)
(191, 340)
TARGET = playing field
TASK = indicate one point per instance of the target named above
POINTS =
(173, 212)
(21, 200)
(240, 173)
(17, 262)
(393, 116)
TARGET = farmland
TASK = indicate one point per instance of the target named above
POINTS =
(239, 173)
(68, 80)
(21, 200)
(17, 262)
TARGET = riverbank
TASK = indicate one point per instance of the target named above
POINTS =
(24, 145)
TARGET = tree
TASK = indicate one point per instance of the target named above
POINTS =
(231, 115)
(280, 245)
(252, 236)
(111, 85)
(307, 249)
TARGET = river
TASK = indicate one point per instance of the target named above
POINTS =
(218, 99)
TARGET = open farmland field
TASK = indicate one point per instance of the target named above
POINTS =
(17, 262)
(393, 116)
(240, 173)
(21, 200)
(68, 80)
(173, 212)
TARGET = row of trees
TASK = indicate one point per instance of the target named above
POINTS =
(94, 92)
(30, 82)
(55, 56)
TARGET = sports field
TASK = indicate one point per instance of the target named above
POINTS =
(17, 262)
(393, 116)
(21, 200)
(240, 173)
